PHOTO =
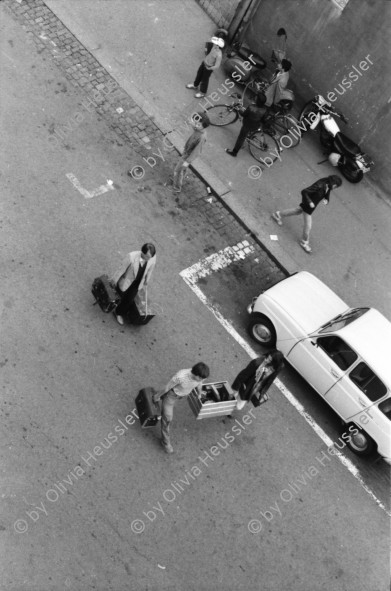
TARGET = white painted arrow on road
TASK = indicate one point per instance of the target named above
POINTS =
(89, 194)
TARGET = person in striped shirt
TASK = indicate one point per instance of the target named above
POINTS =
(180, 386)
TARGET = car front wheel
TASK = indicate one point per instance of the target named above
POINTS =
(261, 329)
(359, 443)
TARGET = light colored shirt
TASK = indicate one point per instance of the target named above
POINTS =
(213, 59)
(193, 146)
(182, 383)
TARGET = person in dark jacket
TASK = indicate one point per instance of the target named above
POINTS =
(253, 382)
(312, 196)
(252, 120)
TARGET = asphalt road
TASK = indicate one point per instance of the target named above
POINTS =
(350, 238)
(70, 374)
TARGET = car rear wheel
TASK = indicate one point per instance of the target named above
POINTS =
(359, 443)
(261, 329)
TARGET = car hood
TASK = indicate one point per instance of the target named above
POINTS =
(307, 300)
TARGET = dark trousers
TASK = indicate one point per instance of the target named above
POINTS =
(244, 132)
(202, 78)
(127, 298)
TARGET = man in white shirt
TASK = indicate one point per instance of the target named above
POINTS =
(180, 386)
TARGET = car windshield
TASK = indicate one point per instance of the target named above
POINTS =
(342, 320)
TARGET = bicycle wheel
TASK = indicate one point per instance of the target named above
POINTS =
(222, 115)
(262, 145)
(288, 132)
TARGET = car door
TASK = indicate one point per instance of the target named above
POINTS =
(356, 394)
(322, 360)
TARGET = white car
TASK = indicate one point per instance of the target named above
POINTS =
(343, 353)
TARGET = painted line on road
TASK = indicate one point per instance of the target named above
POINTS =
(89, 194)
(190, 276)
(217, 261)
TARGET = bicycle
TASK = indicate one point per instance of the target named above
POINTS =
(282, 122)
(260, 142)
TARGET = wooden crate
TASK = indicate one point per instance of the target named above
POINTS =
(208, 410)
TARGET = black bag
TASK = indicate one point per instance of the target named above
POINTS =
(138, 311)
(148, 412)
(105, 294)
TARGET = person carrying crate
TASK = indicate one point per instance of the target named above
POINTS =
(180, 386)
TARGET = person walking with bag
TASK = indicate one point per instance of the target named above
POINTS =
(180, 386)
(133, 275)
(311, 197)
(253, 382)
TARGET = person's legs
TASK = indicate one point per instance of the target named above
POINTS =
(293, 211)
(240, 141)
(278, 215)
(206, 74)
(167, 416)
(307, 225)
(179, 172)
(199, 74)
(127, 298)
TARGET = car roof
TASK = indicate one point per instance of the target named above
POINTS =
(370, 336)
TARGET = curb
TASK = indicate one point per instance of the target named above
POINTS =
(200, 168)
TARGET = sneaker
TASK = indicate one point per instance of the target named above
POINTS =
(277, 218)
(190, 86)
(231, 153)
(240, 404)
(167, 448)
(199, 95)
(119, 319)
(304, 244)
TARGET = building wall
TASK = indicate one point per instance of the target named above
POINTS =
(220, 11)
(325, 46)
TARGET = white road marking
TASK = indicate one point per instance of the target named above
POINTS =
(219, 261)
(89, 194)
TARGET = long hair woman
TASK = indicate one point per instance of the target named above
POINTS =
(252, 383)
